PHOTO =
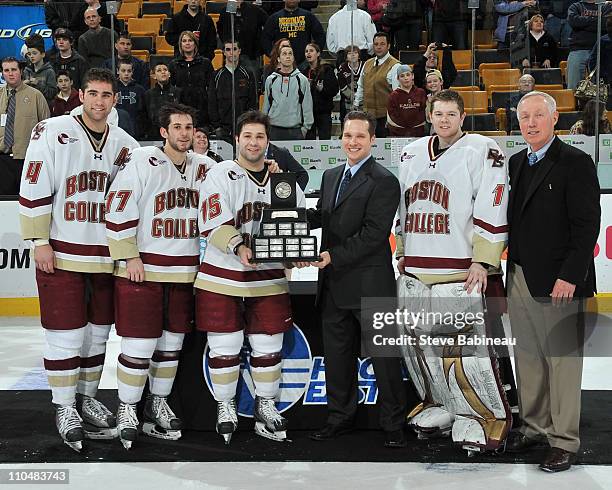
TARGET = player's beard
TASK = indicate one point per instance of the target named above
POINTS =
(175, 146)
(252, 159)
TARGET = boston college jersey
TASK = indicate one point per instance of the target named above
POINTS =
(453, 206)
(232, 202)
(63, 188)
(153, 214)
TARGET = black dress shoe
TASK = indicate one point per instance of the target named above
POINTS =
(395, 439)
(518, 442)
(557, 459)
(331, 432)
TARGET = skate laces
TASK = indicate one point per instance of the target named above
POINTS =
(95, 408)
(268, 409)
(126, 415)
(161, 410)
(68, 418)
(227, 411)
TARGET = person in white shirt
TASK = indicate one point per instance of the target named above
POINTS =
(339, 34)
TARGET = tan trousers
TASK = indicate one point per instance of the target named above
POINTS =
(548, 356)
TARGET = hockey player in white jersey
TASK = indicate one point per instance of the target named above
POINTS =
(453, 229)
(69, 166)
(152, 228)
(235, 298)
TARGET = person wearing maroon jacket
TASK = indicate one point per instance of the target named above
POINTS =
(67, 98)
(406, 107)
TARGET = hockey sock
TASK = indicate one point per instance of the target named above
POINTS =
(164, 363)
(61, 361)
(92, 358)
(224, 363)
(133, 367)
(266, 361)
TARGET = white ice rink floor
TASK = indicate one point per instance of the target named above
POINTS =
(21, 346)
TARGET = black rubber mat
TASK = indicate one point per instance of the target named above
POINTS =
(30, 437)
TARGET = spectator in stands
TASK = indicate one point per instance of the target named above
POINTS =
(60, 13)
(193, 18)
(249, 22)
(511, 17)
(378, 78)
(39, 72)
(276, 5)
(348, 77)
(556, 24)
(95, 45)
(299, 25)
(287, 100)
(273, 65)
(582, 17)
(429, 62)
(201, 145)
(323, 87)
(526, 84)
(220, 94)
(21, 109)
(123, 48)
(404, 18)
(63, 57)
(376, 8)
(605, 63)
(449, 23)
(130, 96)
(67, 98)
(586, 123)
(434, 82)
(192, 73)
(162, 92)
(79, 24)
(406, 107)
(543, 51)
(339, 36)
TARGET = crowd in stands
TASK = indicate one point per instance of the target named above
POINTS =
(397, 54)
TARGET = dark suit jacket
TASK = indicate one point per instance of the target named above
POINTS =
(559, 220)
(356, 234)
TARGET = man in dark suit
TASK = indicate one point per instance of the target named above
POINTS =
(356, 210)
(554, 218)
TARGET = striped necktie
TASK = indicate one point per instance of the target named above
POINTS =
(9, 130)
(344, 184)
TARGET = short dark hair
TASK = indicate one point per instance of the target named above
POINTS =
(35, 41)
(65, 73)
(10, 59)
(229, 41)
(99, 75)
(253, 117)
(170, 108)
(447, 96)
(124, 62)
(362, 116)
(382, 34)
(160, 62)
(124, 35)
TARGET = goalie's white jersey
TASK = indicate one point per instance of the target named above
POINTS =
(65, 178)
(153, 214)
(453, 207)
(231, 204)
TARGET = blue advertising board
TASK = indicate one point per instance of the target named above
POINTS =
(17, 22)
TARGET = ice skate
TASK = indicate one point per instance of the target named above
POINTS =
(69, 426)
(268, 422)
(127, 424)
(159, 419)
(227, 419)
(98, 421)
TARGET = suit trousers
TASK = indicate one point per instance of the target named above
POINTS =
(548, 357)
(341, 340)
(10, 175)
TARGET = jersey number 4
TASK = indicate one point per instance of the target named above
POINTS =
(211, 207)
(33, 172)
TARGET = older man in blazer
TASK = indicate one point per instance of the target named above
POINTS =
(356, 210)
(554, 218)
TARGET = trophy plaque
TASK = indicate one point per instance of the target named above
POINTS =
(284, 234)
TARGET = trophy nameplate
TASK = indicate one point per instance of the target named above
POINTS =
(284, 233)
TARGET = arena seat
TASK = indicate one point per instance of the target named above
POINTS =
(502, 88)
(162, 46)
(157, 9)
(567, 120)
(464, 78)
(476, 102)
(217, 61)
(566, 102)
(410, 57)
(546, 76)
(491, 56)
(507, 76)
(500, 118)
(142, 43)
(128, 10)
(499, 97)
(178, 6)
(215, 7)
(144, 27)
(482, 122)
